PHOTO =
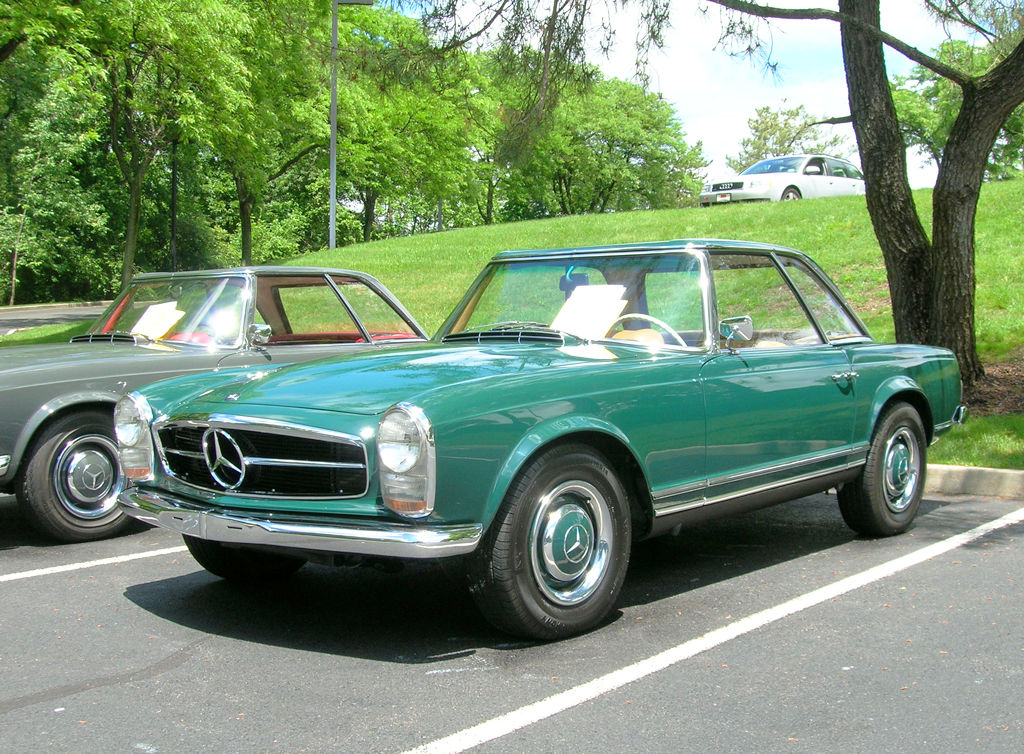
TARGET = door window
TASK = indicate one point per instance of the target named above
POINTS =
(752, 286)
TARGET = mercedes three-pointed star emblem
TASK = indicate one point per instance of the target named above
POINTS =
(224, 458)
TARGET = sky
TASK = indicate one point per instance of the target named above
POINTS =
(714, 94)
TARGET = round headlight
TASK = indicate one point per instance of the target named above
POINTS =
(399, 441)
(130, 424)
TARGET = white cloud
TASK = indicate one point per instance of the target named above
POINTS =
(714, 94)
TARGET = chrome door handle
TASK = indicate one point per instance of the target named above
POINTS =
(848, 376)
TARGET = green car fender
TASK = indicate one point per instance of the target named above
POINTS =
(907, 390)
(541, 435)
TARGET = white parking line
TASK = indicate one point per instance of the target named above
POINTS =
(90, 564)
(533, 713)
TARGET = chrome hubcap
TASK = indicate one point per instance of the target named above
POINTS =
(902, 471)
(570, 541)
(87, 478)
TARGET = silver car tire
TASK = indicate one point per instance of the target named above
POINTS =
(71, 479)
(554, 558)
(885, 497)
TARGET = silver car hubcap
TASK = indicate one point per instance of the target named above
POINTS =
(902, 470)
(87, 478)
(570, 542)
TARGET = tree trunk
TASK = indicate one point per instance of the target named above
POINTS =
(131, 234)
(489, 212)
(245, 204)
(890, 203)
(369, 214)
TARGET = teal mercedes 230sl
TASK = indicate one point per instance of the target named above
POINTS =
(575, 402)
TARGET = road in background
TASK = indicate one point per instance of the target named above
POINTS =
(18, 317)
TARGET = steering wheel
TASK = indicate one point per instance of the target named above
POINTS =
(653, 320)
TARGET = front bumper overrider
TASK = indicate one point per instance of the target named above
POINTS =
(311, 533)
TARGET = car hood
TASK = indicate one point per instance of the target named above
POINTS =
(49, 362)
(370, 383)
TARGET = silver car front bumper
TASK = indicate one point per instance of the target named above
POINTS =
(385, 539)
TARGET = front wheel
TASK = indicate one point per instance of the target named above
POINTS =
(884, 499)
(554, 558)
(791, 194)
(238, 564)
(72, 478)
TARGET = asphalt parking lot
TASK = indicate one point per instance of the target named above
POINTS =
(778, 630)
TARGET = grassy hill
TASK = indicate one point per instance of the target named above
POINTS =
(430, 272)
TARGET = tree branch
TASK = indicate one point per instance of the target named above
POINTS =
(291, 163)
(821, 14)
(833, 121)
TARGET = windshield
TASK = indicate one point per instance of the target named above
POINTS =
(775, 165)
(207, 311)
(655, 299)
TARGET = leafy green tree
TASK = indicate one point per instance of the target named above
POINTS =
(620, 148)
(927, 106)
(170, 68)
(782, 131)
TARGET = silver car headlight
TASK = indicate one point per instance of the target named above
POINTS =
(132, 419)
(405, 451)
(706, 188)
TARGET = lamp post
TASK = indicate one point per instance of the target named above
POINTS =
(333, 225)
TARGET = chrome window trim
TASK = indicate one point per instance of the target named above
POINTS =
(269, 426)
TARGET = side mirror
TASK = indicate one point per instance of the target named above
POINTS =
(258, 335)
(736, 328)
(813, 170)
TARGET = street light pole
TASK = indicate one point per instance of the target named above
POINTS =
(333, 224)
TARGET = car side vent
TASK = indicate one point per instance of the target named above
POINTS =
(516, 336)
(106, 337)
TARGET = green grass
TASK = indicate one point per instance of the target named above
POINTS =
(996, 442)
(45, 334)
(430, 272)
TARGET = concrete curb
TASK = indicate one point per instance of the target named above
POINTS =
(965, 480)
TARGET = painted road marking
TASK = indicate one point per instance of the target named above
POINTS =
(533, 713)
(90, 564)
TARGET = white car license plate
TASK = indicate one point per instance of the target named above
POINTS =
(723, 198)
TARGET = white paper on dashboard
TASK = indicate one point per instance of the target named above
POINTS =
(158, 319)
(590, 311)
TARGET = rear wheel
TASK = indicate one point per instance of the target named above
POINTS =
(554, 558)
(72, 478)
(238, 564)
(885, 498)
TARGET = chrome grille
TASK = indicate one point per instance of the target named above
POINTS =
(272, 460)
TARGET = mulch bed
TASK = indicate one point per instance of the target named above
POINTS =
(1001, 390)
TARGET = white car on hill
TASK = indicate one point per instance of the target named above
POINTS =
(786, 178)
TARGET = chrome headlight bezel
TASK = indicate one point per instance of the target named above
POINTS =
(407, 469)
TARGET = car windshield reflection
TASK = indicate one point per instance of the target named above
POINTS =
(203, 311)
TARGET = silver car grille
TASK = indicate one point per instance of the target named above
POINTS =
(247, 458)
(731, 186)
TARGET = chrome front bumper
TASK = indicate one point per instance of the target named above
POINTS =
(385, 539)
(961, 414)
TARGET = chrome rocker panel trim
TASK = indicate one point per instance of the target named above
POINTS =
(384, 539)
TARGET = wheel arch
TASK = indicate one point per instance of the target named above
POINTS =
(600, 435)
(903, 390)
(55, 410)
